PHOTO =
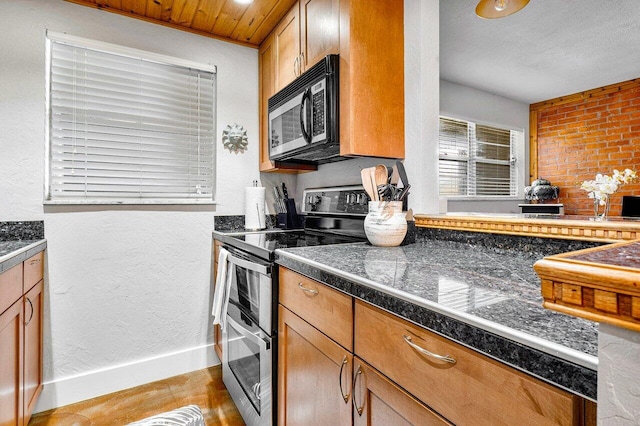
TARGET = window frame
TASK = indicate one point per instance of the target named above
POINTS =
(110, 48)
(517, 154)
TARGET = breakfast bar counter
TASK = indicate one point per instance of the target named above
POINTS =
(482, 294)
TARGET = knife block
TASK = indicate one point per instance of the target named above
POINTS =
(290, 219)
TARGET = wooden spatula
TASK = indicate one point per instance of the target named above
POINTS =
(368, 181)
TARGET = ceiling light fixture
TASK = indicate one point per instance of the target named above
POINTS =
(491, 9)
(243, 1)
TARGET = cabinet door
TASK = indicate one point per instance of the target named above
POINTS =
(314, 375)
(217, 331)
(372, 78)
(319, 30)
(287, 41)
(379, 402)
(33, 315)
(11, 375)
(267, 72)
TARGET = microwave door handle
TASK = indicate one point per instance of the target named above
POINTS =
(264, 345)
(261, 269)
(306, 135)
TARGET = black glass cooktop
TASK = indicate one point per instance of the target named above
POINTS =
(263, 244)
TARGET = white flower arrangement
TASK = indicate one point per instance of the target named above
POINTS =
(604, 185)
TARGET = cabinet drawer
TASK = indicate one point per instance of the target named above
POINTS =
(474, 390)
(10, 287)
(328, 310)
(33, 270)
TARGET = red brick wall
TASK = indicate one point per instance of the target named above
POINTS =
(584, 134)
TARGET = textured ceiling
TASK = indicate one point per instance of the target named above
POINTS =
(551, 48)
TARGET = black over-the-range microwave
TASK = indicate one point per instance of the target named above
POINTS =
(303, 117)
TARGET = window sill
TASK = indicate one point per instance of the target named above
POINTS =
(483, 198)
(128, 203)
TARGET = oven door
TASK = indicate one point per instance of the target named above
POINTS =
(252, 289)
(248, 367)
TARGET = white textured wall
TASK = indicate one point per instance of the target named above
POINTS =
(421, 115)
(618, 376)
(127, 288)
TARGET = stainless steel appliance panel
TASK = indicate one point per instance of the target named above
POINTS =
(248, 368)
(252, 288)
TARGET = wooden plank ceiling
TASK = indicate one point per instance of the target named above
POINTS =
(224, 19)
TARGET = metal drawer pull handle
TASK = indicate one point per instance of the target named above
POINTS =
(34, 261)
(344, 362)
(445, 358)
(360, 409)
(31, 316)
(310, 291)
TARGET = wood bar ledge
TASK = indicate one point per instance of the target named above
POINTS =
(600, 284)
(542, 226)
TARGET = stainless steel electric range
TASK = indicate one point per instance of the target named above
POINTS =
(331, 216)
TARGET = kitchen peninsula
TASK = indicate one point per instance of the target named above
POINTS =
(470, 297)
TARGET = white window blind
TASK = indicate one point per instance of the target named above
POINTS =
(477, 160)
(124, 128)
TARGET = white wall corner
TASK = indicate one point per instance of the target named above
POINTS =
(69, 390)
(422, 102)
(618, 376)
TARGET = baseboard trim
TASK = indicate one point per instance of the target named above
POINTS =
(68, 390)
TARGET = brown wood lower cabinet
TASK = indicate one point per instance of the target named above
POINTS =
(467, 388)
(21, 341)
(217, 331)
(314, 375)
(378, 401)
(11, 375)
(401, 374)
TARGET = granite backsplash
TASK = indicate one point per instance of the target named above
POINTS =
(503, 243)
(19, 231)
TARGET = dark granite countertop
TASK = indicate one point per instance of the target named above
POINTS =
(15, 252)
(482, 297)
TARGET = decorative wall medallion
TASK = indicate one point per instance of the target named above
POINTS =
(234, 138)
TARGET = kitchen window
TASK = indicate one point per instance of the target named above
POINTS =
(127, 126)
(477, 160)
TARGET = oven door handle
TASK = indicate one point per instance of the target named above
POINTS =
(262, 342)
(252, 266)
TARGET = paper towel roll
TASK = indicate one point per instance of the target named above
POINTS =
(254, 208)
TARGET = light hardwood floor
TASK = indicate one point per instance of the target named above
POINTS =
(203, 388)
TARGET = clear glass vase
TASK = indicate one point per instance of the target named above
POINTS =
(601, 211)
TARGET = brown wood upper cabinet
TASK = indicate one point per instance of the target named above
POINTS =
(369, 37)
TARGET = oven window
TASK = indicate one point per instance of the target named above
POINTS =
(244, 361)
(248, 288)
